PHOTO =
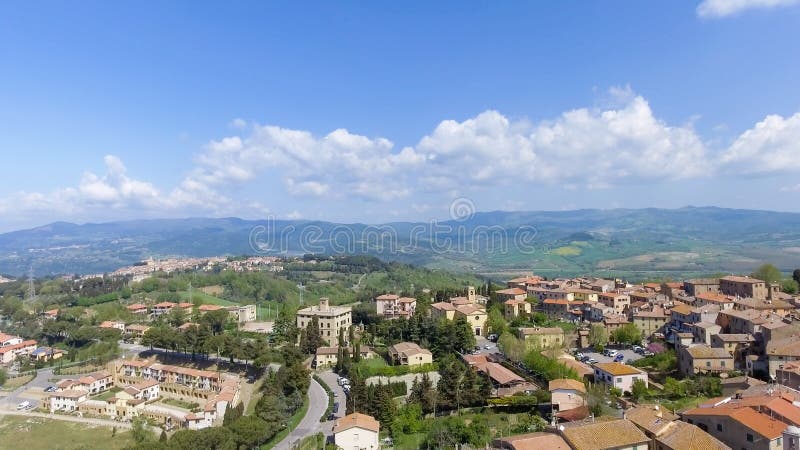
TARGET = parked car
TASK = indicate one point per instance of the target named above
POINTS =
(487, 347)
(592, 361)
(50, 389)
(647, 353)
(24, 405)
(579, 355)
(637, 349)
(492, 337)
(612, 353)
(619, 358)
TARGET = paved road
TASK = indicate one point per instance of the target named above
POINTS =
(310, 424)
(630, 355)
(36, 388)
(331, 379)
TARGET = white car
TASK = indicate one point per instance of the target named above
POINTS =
(24, 405)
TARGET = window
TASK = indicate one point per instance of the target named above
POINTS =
(719, 427)
(749, 437)
(708, 363)
(619, 380)
(722, 363)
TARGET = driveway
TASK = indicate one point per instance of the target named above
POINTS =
(310, 424)
(32, 392)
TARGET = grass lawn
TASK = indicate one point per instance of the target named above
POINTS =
(38, 433)
(13, 383)
(254, 397)
(108, 394)
(409, 440)
(205, 298)
(290, 425)
(180, 403)
(683, 403)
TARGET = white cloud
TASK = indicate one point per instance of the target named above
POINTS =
(593, 147)
(724, 8)
(771, 146)
(621, 142)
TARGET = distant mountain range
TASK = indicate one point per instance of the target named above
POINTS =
(635, 243)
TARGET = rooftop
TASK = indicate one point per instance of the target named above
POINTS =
(605, 434)
(566, 383)
(617, 369)
(533, 441)
(703, 351)
(356, 420)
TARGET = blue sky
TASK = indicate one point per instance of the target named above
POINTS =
(378, 111)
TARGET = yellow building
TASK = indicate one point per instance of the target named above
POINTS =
(475, 317)
(542, 337)
(331, 319)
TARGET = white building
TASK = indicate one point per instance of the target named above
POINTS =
(357, 432)
(618, 375)
(67, 400)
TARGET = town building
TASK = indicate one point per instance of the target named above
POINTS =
(46, 354)
(701, 358)
(514, 308)
(739, 427)
(511, 294)
(475, 316)
(331, 319)
(701, 286)
(567, 394)
(329, 356)
(393, 306)
(618, 375)
(542, 337)
(651, 321)
(67, 400)
(743, 287)
(409, 354)
(137, 308)
(13, 347)
(531, 441)
(356, 431)
(619, 434)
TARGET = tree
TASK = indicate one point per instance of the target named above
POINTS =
(311, 339)
(674, 388)
(768, 273)
(176, 317)
(796, 276)
(598, 335)
(422, 393)
(496, 321)
(627, 334)
(638, 390)
(790, 286)
(139, 430)
(3, 376)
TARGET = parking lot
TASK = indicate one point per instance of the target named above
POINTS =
(629, 355)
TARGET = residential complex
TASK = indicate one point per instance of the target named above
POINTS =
(331, 319)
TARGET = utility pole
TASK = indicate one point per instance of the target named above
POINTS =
(31, 284)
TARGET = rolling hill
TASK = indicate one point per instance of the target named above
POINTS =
(635, 243)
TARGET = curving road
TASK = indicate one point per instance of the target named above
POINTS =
(310, 424)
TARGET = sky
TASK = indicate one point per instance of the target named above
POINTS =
(391, 111)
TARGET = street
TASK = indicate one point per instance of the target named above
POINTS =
(310, 424)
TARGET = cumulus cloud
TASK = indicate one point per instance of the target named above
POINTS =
(620, 142)
(771, 146)
(724, 8)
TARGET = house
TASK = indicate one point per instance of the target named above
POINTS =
(679, 316)
(774, 306)
(511, 294)
(738, 345)
(703, 331)
(356, 431)
(504, 382)
(393, 306)
(612, 322)
(651, 419)
(618, 375)
(566, 393)
(738, 427)
(531, 441)
(329, 356)
(583, 295)
(206, 308)
(474, 315)
(113, 324)
(162, 308)
(93, 383)
(542, 337)
(562, 309)
(331, 318)
(10, 352)
(7, 340)
(145, 390)
(514, 308)
(136, 331)
(67, 400)
(651, 321)
(50, 314)
(779, 352)
(137, 308)
(46, 354)
(701, 358)
(409, 354)
(620, 302)
(605, 434)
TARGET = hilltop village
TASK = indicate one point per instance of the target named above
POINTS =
(375, 355)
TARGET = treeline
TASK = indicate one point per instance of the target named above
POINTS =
(442, 337)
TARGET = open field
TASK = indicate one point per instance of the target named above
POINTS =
(34, 433)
